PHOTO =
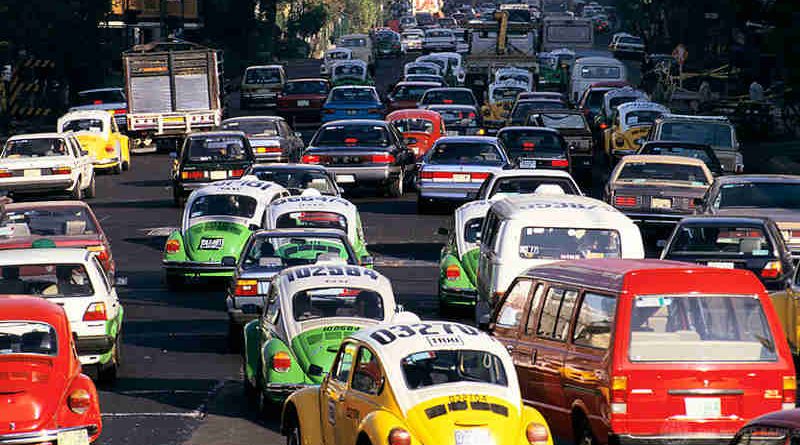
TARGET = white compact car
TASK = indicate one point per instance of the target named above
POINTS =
(439, 39)
(46, 163)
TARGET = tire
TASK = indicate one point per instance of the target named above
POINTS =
(108, 373)
(117, 169)
(126, 166)
(583, 433)
(395, 188)
(77, 192)
(293, 436)
(91, 191)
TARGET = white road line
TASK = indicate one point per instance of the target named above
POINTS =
(158, 231)
(192, 414)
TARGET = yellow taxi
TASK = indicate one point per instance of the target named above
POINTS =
(631, 122)
(413, 384)
(98, 134)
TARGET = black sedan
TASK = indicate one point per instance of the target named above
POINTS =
(523, 108)
(270, 137)
(535, 147)
(362, 152)
(733, 242)
(776, 428)
(573, 126)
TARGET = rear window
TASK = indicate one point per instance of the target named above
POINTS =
(437, 367)
(422, 69)
(642, 117)
(476, 153)
(564, 121)
(262, 75)
(347, 69)
(69, 221)
(409, 92)
(594, 101)
(311, 220)
(523, 109)
(353, 95)
(337, 302)
(252, 127)
(46, 280)
(451, 97)
(506, 93)
(210, 149)
(522, 143)
(686, 152)
(26, 337)
(439, 34)
(458, 117)
(708, 133)
(100, 97)
(76, 125)
(555, 243)
(657, 171)
(306, 87)
(415, 125)
(280, 252)
(521, 186)
(338, 55)
(699, 328)
(601, 72)
(728, 241)
(298, 179)
(353, 42)
(342, 135)
(35, 148)
(223, 205)
(759, 195)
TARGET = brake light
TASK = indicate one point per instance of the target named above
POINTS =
(350, 141)
(310, 159)
(471, 115)
(625, 201)
(537, 434)
(453, 272)
(120, 111)
(100, 251)
(528, 146)
(97, 102)
(447, 101)
(619, 394)
(246, 288)
(5, 174)
(479, 176)
(317, 216)
(195, 174)
(560, 163)
(79, 401)
(384, 158)
(773, 269)
(109, 148)
(281, 361)
(789, 392)
(60, 170)
(268, 150)
(603, 126)
(399, 436)
(345, 293)
(172, 246)
(237, 173)
(95, 312)
(436, 175)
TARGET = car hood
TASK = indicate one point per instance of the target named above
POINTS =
(662, 189)
(34, 390)
(319, 346)
(469, 264)
(233, 233)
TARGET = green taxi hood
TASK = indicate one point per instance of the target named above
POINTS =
(319, 347)
(469, 264)
(234, 235)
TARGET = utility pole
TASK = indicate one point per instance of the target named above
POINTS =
(162, 14)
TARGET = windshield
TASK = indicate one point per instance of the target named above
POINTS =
(709, 133)
(349, 70)
(506, 93)
(35, 148)
(252, 127)
(537, 143)
(76, 125)
(353, 42)
(601, 72)
(353, 95)
(523, 186)
(564, 121)
(298, 179)
(223, 205)
(759, 195)
(457, 117)
(409, 92)
(337, 302)
(59, 221)
(474, 153)
(642, 117)
(281, 252)
(523, 109)
(28, 337)
(699, 328)
(306, 87)
(658, 171)
(615, 102)
(518, 77)
(415, 125)
(737, 242)
(100, 97)
(262, 75)
(216, 148)
(46, 280)
(340, 135)
(437, 367)
(448, 97)
(594, 101)
(555, 243)
(311, 220)
(472, 231)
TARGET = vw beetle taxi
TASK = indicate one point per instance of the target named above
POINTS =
(350, 72)
(320, 212)
(333, 56)
(98, 134)
(50, 400)
(629, 127)
(217, 221)
(310, 310)
(424, 383)
(500, 98)
(611, 100)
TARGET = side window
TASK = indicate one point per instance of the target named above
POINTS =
(595, 321)
(556, 313)
(344, 363)
(114, 128)
(565, 314)
(102, 273)
(536, 301)
(273, 309)
(513, 307)
(492, 226)
(367, 376)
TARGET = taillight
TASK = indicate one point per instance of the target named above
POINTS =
(60, 170)
(172, 246)
(560, 163)
(479, 176)
(528, 146)
(100, 251)
(237, 173)
(789, 392)
(383, 158)
(619, 395)
(773, 269)
(268, 149)
(436, 175)
(281, 361)
(195, 174)
(625, 201)
(603, 126)
(471, 115)
(120, 111)
(79, 401)
(447, 101)
(537, 434)
(399, 436)
(95, 312)
(109, 148)
(310, 159)
(5, 174)
(453, 272)
(246, 288)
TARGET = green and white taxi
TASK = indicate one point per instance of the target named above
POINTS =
(217, 221)
(315, 211)
(76, 280)
(309, 311)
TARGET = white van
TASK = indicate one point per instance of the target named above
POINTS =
(589, 70)
(530, 230)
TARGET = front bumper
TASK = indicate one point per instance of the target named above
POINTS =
(364, 175)
(94, 344)
(43, 436)
(197, 268)
(447, 191)
(625, 439)
(458, 296)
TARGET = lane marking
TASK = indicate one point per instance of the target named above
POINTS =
(158, 231)
(192, 415)
(136, 392)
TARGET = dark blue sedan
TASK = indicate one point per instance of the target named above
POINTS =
(352, 102)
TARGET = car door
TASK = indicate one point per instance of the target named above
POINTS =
(78, 161)
(333, 395)
(510, 314)
(525, 351)
(488, 255)
(362, 397)
(111, 299)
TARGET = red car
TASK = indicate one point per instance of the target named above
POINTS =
(406, 94)
(302, 99)
(64, 223)
(45, 397)
(420, 128)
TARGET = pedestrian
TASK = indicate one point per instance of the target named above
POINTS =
(756, 92)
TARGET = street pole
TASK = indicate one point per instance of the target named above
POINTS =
(162, 14)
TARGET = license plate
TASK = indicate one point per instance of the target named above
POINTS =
(527, 163)
(661, 203)
(219, 174)
(303, 103)
(211, 243)
(720, 264)
(34, 172)
(703, 407)
(352, 112)
(75, 437)
(452, 133)
(475, 436)
(345, 179)
(172, 120)
(461, 177)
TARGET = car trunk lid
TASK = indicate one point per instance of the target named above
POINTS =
(210, 241)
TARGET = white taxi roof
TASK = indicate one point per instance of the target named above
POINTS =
(622, 92)
(358, 62)
(394, 342)
(641, 105)
(561, 211)
(19, 137)
(512, 70)
(662, 159)
(263, 192)
(324, 203)
(50, 256)
(103, 115)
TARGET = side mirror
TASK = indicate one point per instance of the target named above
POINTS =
(229, 261)
(173, 155)
(367, 261)
(254, 227)
(442, 231)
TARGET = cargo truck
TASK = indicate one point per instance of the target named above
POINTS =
(564, 31)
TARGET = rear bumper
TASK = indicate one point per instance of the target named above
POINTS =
(242, 310)
(457, 296)
(271, 157)
(94, 344)
(280, 391)
(197, 268)
(625, 439)
(37, 186)
(37, 437)
(451, 191)
(656, 218)
(365, 175)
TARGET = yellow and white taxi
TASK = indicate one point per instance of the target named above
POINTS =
(630, 124)
(98, 134)
(413, 384)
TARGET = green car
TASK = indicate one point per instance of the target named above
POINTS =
(309, 311)
(217, 221)
(458, 265)
(351, 73)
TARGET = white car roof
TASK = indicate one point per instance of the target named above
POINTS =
(323, 203)
(86, 114)
(248, 186)
(264, 67)
(627, 107)
(358, 62)
(562, 211)
(535, 173)
(38, 136)
(53, 256)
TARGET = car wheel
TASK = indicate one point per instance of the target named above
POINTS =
(583, 433)
(117, 169)
(91, 191)
(395, 188)
(250, 390)
(126, 166)
(108, 373)
(77, 192)
(293, 435)
(174, 282)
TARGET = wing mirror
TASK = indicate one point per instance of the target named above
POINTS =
(367, 261)
(229, 261)
(254, 227)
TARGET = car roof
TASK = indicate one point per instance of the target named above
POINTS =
(254, 118)
(528, 128)
(597, 59)
(43, 256)
(677, 144)
(288, 166)
(246, 185)
(38, 136)
(264, 67)
(745, 179)
(100, 90)
(323, 203)
(712, 219)
(87, 113)
(789, 419)
(412, 113)
(447, 89)
(531, 173)
(31, 308)
(46, 204)
(354, 122)
(353, 87)
(468, 139)
(308, 79)
(662, 159)
(419, 83)
(687, 117)
(433, 107)
(301, 232)
(558, 208)
(203, 134)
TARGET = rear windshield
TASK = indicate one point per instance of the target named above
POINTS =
(617, 101)
(506, 93)
(759, 195)
(472, 231)
(223, 205)
(281, 252)
(523, 109)
(311, 220)
(439, 33)
(564, 121)
(341, 135)
(700, 328)
(35, 148)
(348, 70)
(100, 97)
(552, 243)
(69, 221)
(642, 117)
(732, 241)
(353, 42)
(519, 77)
(422, 69)
(415, 125)
(46, 280)
(434, 367)
(522, 143)
(477, 153)
(298, 179)
(252, 127)
(338, 55)
(409, 92)
(27, 337)
(337, 302)
(448, 97)
(686, 152)
(709, 133)
(601, 72)
(76, 125)
(262, 75)
(521, 186)
(458, 117)
(306, 87)
(217, 148)
(353, 95)
(657, 171)
(595, 100)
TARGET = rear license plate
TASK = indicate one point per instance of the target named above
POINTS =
(352, 112)
(461, 177)
(703, 407)
(720, 264)
(345, 179)
(475, 436)
(75, 437)
(452, 133)
(660, 203)
(219, 174)
(303, 103)
(33, 173)
(211, 243)
(527, 163)
(172, 120)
